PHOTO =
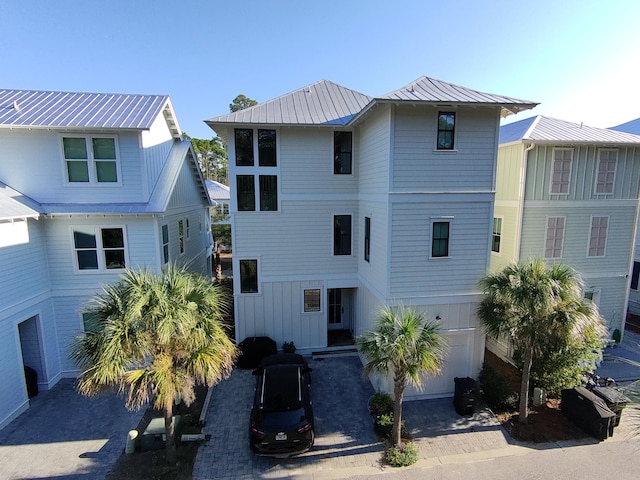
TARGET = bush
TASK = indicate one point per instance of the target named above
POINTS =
(384, 424)
(496, 391)
(402, 457)
(381, 403)
(289, 347)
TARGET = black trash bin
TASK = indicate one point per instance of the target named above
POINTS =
(588, 411)
(31, 379)
(254, 349)
(465, 395)
(615, 400)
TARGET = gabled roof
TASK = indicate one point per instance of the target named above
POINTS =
(321, 103)
(47, 109)
(15, 205)
(630, 127)
(431, 90)
(542, 129)
(217, 191)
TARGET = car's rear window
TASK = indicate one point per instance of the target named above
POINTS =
(281, 388)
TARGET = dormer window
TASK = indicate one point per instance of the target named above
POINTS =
(90, 159)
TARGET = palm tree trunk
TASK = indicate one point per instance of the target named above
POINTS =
(170, 443)
(524, 386)
(396, 432)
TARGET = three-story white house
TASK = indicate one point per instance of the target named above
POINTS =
(341, 203)
(89, 184)
(568, 193)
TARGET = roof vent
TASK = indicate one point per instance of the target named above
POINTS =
(411, 89)
(15, 106)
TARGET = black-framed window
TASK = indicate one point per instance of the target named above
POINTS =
(446, 130)
(268, 193)
(165, 243)
(440, 239)
(342, 152)
(312, 300)
(244, 147)
(497, 235)
(181, 235)
(246, 193)
(367, 238)
(342, 234)
(99, 248)
(248, 276)
(267, 148)
(635, 274)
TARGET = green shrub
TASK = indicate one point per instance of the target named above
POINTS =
(617, 336)
(384, 424)
(289, 347)
(496, 392)
(381, 403)
(402, 457)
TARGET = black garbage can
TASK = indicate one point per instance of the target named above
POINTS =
(254, 349)
(465, 395)
(31, 379)
(588, 411)
(615, 400)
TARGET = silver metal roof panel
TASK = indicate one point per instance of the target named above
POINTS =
(630, 127)
(34, 108)
(14, 205)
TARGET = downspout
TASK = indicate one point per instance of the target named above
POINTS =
(523, 178)
(632, 260)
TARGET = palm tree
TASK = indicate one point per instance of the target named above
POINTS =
(154, 337)
(531, 303)
(406, 346)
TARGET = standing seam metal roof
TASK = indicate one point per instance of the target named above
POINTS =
(34, 108)
(632, 126)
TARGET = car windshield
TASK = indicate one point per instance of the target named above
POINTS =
(281, 389)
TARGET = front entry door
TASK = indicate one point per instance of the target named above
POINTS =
(335, 309)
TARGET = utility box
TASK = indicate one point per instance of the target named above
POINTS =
(153, 437)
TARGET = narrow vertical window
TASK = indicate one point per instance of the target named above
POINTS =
(200, 223)
(181, 235)
(440, 239)
(598, 236)
(342, 234)
(244, 147)
(113, 247)
(561, 172)
(268, 193)
(267, 148)
(554, 237)
(165, 244)
(606, 171)
(104, 155)
(249, 276)
(446, 130)
(342, 148)
(86, 249)
(497, 235)
(635, 274)
(187, 228)
(246, 193)
(367, 238)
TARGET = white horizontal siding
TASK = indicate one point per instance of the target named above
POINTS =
(156, 143)
(373, 154)
(376, 271)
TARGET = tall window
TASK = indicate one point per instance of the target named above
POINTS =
(446, 130)
(187, 228)
(606, 171)
(249, 276)
(244, 147)
(267, 148)
(561, 172)
(90, 159)
(598, 236)
(554, 237)
(367, 238)
(268, 193)
(246, 193)
(635, 274)
(342, 148)
(440, 239)
(260, 180)
(181, 235)
(165, 244)
(342, 234)
(497, 235)
(99, 248)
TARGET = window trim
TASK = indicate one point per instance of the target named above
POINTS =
(100, 250)
(546, 236)
(333, 230)
(453, 130)
(606, 237)
(434, 220)
(304, 304)
(597, 172)
(553, 162)
(91, 161)
(498, 234)
(257, 262)
(335, 153)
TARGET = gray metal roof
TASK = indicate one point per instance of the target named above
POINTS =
(217, 191)
(321, 103)
(542, 129)
(34, 108)
(431, 90)
(630, 127)
(14, 205)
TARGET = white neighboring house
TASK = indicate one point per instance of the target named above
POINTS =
(343, 202)
(220, 198)
(90, 184)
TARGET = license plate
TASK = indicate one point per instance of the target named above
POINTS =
(281, 436)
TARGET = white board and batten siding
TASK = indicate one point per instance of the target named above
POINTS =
(156, 144)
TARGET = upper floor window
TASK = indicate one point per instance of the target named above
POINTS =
(367, 238)
(244, 147)
(99, 248)
(635, 274)
(598, 236)
(446, 130)
(165, 244)
(267, 148)
(440, 239)
(342, 234)
(181, 235)
(90, 159)
(497, 234)
(342, 148)
(248, 276)
(187, 228)
(554, 237)
(561, 172)
(606, 171)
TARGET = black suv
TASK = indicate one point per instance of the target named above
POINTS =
(281, 421)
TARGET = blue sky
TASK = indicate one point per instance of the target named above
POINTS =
(578, 58)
